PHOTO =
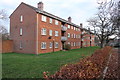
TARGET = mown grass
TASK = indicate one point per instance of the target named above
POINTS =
(16, 65)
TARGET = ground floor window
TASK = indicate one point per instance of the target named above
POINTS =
(74, 43)
(50, 45)
(21, 45)
(56, 44)
(43, 45)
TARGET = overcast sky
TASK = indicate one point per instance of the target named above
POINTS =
(79, 10)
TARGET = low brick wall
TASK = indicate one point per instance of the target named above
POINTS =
(7, 46)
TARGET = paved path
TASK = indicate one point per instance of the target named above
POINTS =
(113, 71)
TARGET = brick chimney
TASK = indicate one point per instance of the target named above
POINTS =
(69, 19)
(40, 6)
(81, 25)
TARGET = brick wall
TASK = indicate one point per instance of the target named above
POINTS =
(7, 46)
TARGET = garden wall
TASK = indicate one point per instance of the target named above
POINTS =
(6, 46)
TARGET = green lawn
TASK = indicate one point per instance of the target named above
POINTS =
(16, 65)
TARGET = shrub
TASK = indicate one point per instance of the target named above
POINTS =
(67, 46)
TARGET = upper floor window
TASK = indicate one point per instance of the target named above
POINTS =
(43, 31)
(71, 27)
(43, 18)
(50, 32)
(68, 26)
(56, 22)
(21, 18)
(50, 20)
(74, 28)
(68, 34)
(56, 33)
(43, 45)
(21, 32)
(74, 35)
(56, 44)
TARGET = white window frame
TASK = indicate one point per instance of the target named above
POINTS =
(71, 27)
(44, 18)
(71, 35)
(56, 44)
(21, 18)
(68, 35)
(21, 45)
(56, 33)
(21, 32)
(50, 45)
(74, 28)
(68, 26)
(43, 45)
(50, 20)
(43, 31)
(50, 32)
(74, 43)
(56, 22)
(74, 36)
(69, 43)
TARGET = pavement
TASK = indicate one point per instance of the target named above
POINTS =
(113, 67)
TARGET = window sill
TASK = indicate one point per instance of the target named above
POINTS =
(43, 48)
(43, 34)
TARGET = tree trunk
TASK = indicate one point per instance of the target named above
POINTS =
(101, 44)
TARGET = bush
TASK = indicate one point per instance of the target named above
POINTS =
(67, 46)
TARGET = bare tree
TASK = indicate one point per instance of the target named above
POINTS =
(103, 23)
(3, 31)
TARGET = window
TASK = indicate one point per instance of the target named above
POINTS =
(71, 27)
(56, 44)
(56, 22)
(21, 18)
(74, 35)
(50, 20)
(43, 45)
(50, 32)
(50, 45)
(69, 43)
(43, 31)
(68, 34)
(74, 43)
(68, 26)
(74, 28)
(20, 45)
(20, 31)
(43, 18)
(56, 33)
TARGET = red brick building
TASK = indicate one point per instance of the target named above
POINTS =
(34, 30)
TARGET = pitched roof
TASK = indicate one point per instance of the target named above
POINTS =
(53, 16)
(50, 15)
